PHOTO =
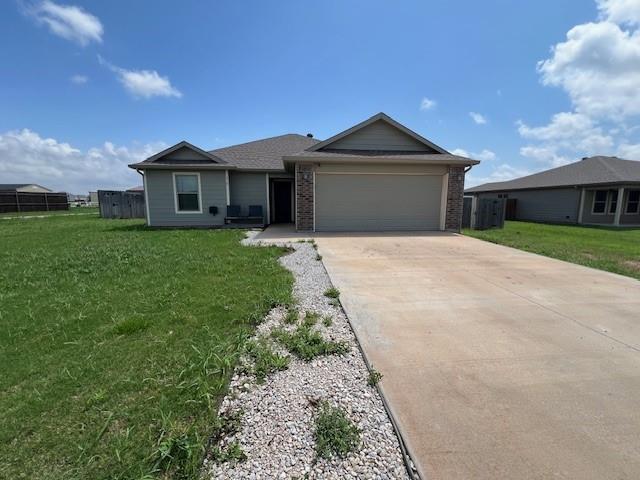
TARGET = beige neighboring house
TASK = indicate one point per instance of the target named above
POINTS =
(24, 188)
(93, 199)
(375, 176)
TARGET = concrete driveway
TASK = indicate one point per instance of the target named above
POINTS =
(497, 363)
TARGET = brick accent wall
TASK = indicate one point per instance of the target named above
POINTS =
(304, 197)
(455, 194)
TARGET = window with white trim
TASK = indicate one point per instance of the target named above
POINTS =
(613, 201)
(600, 201)
(187, 188)
(633, 202)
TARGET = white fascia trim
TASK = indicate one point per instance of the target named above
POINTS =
(175, 194)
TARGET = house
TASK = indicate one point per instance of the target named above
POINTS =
(375, 176)
(594, 191)
(137, 189)
(23, 188)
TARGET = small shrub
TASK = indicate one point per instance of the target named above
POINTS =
(334, 433)
(233, 453)
(265, 360)
(374, 377)
(332, 292)
(291, 317)
(129, 326)
(308, 344)
(327, 321)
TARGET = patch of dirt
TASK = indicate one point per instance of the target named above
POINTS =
(632, 264)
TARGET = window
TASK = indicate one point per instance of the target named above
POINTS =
(187, 190)
(633, 201)
(600, 201)
(613, 201)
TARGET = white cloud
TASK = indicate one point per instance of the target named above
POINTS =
(500, 173)
(427, 104)
(478, 118)
(545, 155)
(79, 79)
(27, 157)
(620, 11)
(599, 68)
(143, 83)
(485, 155)
(630, 151)
(68, 21)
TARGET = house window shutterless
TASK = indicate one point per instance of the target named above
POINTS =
(600, 201)
(187, 192)
(633, 202)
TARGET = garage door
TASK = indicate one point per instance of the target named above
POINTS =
(377, 202)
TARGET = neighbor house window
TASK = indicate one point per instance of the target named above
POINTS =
(600, 201)
(613, 201)
(187, 189)
(633, 201)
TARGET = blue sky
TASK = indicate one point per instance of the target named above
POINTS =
(87, 87)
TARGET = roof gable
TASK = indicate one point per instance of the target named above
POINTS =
(378, 133)
(184, 152)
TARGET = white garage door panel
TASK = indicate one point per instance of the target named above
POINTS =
(370, 202)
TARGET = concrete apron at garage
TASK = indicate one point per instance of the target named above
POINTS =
(497, 363)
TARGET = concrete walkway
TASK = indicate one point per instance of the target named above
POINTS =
(497, 363)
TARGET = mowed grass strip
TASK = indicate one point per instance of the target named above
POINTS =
(613, 250)
(117, 342)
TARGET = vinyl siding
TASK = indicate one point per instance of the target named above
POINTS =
(248, 188)
(377, 201)
(379, 136)
(553, 205)
(160, 192)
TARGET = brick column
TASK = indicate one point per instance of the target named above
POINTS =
(455, 194)
(304, 197)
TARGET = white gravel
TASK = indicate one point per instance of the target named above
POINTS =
(277, 418)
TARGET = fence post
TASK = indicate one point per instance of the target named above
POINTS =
(46, 201)
(18, 201)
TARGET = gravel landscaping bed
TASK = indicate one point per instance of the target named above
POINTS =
(277, 416)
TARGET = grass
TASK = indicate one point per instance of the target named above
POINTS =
(334, 433)
(613, 250)
(332, 292)
(71, 211)
(292, 316)
(374, 377)
(307, 344)
(327, 321)
(265, 360)
(118, 342)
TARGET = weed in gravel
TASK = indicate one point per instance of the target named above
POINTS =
(265, 359)
(335, 434)
(327, 321)
(233, 453)
(332, 292)
(318, 257)
(292, 316)
(227, 424)
(307, 344)
(374, 377)
(310, 319)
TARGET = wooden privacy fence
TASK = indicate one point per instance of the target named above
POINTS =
(32, 202)
(116, 204)
(489, 213)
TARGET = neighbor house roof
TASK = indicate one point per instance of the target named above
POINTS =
(588, 171)
(264, 154)
(12, 187)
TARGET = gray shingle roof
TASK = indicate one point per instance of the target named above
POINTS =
(387, 155)
(589, 171)
(13, 186)
(264, 154)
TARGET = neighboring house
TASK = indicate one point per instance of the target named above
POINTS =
(593, 191)
(93, 198)
(23, 188)
(138, 189)
(375, 176)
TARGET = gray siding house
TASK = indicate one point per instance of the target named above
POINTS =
(375, 176)
(594, 191)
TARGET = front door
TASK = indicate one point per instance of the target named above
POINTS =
(282, 200)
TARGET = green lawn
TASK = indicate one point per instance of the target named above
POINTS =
(614, 250)
(71, 211)
(117, 341)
